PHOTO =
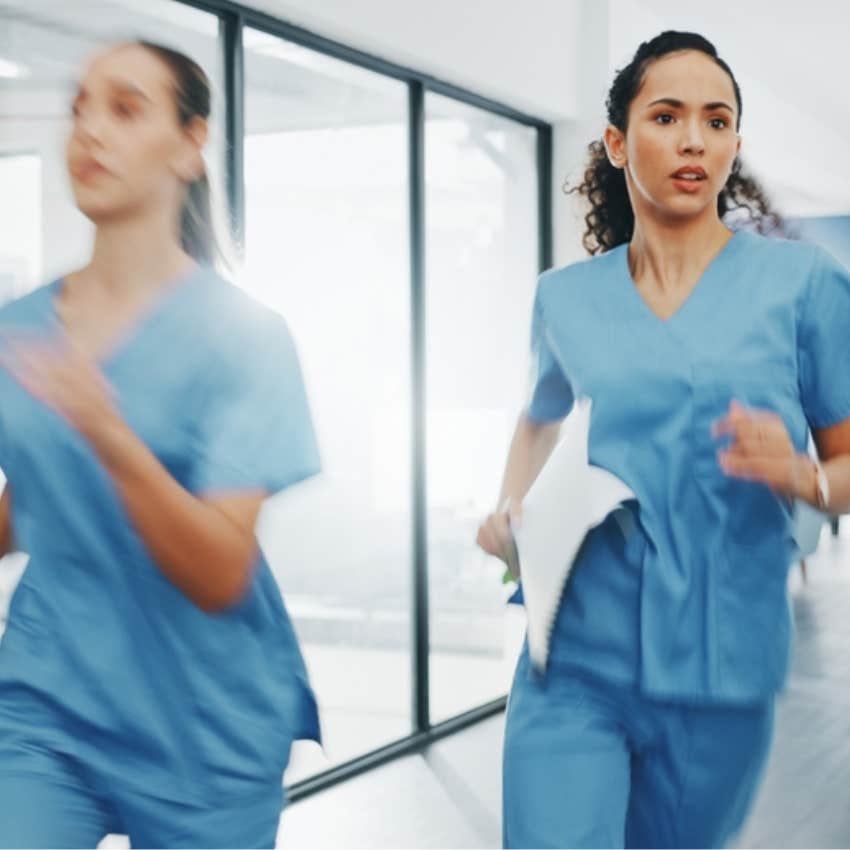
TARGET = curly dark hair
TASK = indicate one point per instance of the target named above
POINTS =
(610, 221)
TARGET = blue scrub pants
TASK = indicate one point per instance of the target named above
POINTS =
(591, 764)
(46, 800)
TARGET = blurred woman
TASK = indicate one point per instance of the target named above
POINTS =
(150, 679)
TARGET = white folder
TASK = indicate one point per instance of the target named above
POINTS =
(568, 498)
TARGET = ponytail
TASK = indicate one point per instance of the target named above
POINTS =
(197, 234)
(192, 97)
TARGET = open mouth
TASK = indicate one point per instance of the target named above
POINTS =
(691, 175)
(89, 170)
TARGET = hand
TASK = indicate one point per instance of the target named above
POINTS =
(761, 450)
(494, 534)
(63, 378)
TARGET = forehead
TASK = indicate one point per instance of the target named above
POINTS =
(129, 67)
(687, 76)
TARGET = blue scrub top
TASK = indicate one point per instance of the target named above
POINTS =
(104, 658)
(693, 605)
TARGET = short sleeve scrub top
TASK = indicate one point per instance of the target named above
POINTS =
(691, 606)
(104, 660)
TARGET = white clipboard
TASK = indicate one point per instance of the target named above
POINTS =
(568, 498)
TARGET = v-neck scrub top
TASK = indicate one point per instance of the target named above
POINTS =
(104, 660)
(693, 604)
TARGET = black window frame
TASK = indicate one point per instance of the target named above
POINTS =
(233, 18)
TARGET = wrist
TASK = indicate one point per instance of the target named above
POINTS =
(106, 434)
(806, 480)
(813, 485)
(821, 488)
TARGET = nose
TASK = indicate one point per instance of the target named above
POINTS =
(88, 125)
(692, 140)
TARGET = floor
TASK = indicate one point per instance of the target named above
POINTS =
(449, 796)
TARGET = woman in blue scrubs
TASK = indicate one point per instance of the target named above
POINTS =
(709, 354)
(150, 678)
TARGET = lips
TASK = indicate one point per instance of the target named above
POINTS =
(691, 173)
(88, 169)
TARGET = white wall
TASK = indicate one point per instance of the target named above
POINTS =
(572, 136)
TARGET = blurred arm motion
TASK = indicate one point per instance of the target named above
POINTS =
(206, 547)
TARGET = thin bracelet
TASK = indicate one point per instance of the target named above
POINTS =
(821, 487)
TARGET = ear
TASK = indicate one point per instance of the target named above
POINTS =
(615, 146)
(738, 148)
(189, 162)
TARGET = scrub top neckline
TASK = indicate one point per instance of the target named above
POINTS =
(693, 295)
(128, 332)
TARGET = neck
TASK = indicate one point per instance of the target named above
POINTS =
(670, 254)
(136, 253)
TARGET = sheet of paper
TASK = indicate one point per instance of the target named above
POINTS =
(568, 498)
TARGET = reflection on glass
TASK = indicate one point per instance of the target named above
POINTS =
(481, 243)
(20, 223)
(327, 246)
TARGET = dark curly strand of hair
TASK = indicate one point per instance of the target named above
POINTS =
(610, 221)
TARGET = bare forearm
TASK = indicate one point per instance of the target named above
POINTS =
(204, 553)
(7, 541)
(833, 445)
(531, 446)
(837, 471)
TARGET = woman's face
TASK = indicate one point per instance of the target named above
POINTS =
(127, 151)
(681, 140)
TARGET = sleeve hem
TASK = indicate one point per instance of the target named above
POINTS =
(272, 484)
(831, 416)
(539, 417)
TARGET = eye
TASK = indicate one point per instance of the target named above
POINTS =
(664, 118)
(719, 123)
(123, 110)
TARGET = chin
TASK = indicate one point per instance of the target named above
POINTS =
(95, 213)
(95, 207)
(684, 208)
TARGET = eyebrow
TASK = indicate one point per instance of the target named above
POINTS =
(122, 86)
(678, 104)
